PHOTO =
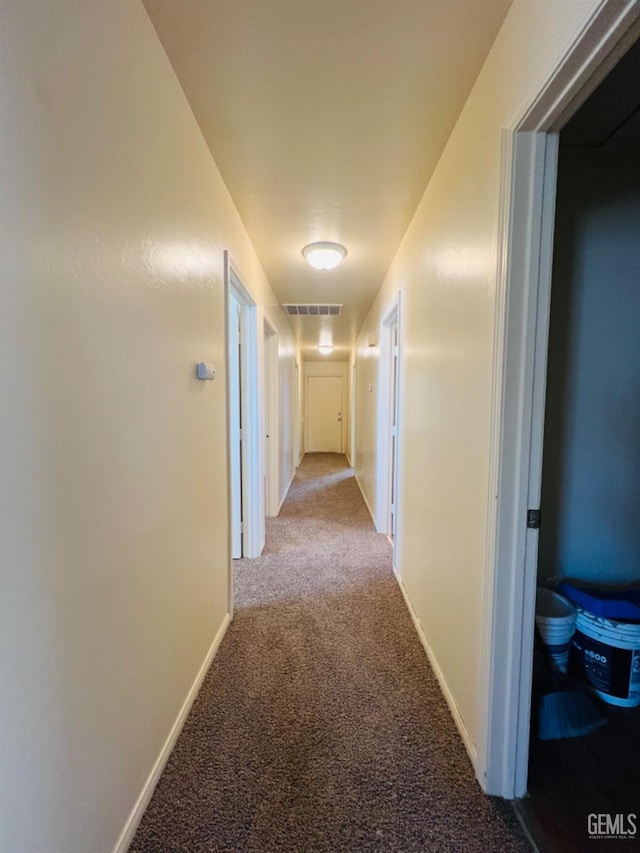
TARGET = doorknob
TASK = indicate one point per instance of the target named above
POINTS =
(339, 416)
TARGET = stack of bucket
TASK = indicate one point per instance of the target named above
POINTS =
(605, 655)
(600, 649)
(556, 621)
(605, 649)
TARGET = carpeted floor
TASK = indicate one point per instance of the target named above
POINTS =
(320, 726)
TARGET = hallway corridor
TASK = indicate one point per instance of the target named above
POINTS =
(320, 726)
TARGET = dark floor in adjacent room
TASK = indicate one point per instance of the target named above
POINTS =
(572, 778)
(320, 725)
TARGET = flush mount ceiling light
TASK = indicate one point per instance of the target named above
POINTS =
(324, 256)
(325, 350)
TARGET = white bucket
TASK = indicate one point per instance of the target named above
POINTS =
(556, 619)
(605, 655)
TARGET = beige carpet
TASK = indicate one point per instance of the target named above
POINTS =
(320, 726)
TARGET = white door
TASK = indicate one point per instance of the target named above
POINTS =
(354, 403)
(271, 393)
(393, 438)
(296, 416)
(235, 391)
(324, 414)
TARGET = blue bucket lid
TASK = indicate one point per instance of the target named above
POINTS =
(622, 605)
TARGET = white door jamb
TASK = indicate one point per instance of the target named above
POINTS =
(271, 419)
(386, 493)
(253, 461)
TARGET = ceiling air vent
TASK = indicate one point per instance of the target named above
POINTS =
(312, 310)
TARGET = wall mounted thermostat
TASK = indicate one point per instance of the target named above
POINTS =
(206, 371)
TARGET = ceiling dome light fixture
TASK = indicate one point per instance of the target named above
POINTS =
(325, 350)
(324, 256)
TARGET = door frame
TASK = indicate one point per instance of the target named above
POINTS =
(388, 492)
(296, 416)
(237, 457)
(353, 397)
(271, 419)
(523, 288)
(253, 463)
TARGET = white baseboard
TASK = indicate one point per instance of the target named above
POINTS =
(348, 460)
(444, 687)
(364, 498)
(286, 492)
(126, 836)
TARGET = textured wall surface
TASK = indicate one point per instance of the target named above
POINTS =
(114, 219)
(591, 476)
(446, 270)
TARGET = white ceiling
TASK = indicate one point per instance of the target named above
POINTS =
(326, 119)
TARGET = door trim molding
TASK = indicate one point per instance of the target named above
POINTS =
(353, 405)
(296, 417)
(529, 168)
(253, 491)
(271, 420)
(391, 317)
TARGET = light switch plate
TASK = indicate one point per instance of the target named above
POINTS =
(206, 371)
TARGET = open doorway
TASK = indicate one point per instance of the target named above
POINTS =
(528, 196)
(271, 419)
(388, 401)
(237, 454)
(352, 417)
(588, 533)
(295, 426)
(246, 495)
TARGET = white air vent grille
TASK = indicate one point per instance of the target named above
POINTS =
(313, 310)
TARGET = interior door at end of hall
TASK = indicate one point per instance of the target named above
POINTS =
(324, 414)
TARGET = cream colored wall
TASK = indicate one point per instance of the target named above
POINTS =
(329, 368)
(114, 219)
(446, 270)
(366, 413)
(288, 356)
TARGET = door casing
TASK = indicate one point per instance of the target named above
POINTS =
(271, 420)
(252, 453)
(389, 433)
